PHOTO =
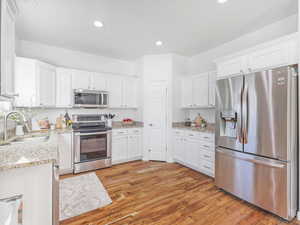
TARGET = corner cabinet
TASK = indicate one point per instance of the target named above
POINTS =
(35, 83)
(280, 52)
(9, 11)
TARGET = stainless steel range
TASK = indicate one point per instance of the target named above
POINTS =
(92, 143)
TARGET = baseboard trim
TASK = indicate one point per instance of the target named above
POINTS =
(298, 215)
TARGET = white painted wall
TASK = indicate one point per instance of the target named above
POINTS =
(74, 59)
(204, 61)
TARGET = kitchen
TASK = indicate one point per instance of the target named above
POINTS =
(173, 127)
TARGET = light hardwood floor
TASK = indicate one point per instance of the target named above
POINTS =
(153, 193)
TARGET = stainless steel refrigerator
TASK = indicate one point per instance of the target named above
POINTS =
(256, 139)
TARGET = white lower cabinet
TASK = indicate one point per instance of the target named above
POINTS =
(126, 145)
(195, 150)
(65, 153)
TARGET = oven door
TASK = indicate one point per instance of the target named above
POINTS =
(92, 146)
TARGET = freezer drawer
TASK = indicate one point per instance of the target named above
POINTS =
(262, 182)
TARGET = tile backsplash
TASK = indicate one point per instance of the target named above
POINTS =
(52, 114)
(207, 114)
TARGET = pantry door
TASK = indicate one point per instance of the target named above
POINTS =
(155, 106)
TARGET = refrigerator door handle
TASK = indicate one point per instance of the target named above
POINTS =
(265, 162)
(239, 119)
(245, 114)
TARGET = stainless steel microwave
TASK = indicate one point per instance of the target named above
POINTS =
(90, 98)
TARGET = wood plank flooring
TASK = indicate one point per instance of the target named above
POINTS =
(153, 193)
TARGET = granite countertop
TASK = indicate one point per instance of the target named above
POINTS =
(209, 129)
(120, 125)
(30, 153)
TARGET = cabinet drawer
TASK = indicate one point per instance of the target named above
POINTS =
(207, 137)
(193, 134)
(207, 146)
(119, 132)
(178, 132)
(134, 131)
(207, 166)
(207, 155)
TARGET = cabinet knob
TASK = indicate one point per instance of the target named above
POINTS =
(150, 124)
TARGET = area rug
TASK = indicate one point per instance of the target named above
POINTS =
(81, 194)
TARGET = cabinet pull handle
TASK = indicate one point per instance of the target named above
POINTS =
(206, 146)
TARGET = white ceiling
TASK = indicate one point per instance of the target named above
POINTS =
(131, 27)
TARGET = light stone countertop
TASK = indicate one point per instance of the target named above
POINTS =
(209, 129)
(30, 153)
(120, 125)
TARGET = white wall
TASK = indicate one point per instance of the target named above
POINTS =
(74, 59)
(204, 61)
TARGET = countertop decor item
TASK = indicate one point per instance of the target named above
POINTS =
(200, 121)
(128, 121)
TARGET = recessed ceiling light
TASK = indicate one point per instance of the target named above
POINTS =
(222, 1)
(98, 24)
(158, 43)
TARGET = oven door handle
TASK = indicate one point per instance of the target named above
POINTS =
(88, 134)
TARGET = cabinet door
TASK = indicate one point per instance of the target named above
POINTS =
(98, 82)
(187, 93)
(134, 147)
(130, 97)
(231, 67)
(212, 88)
(7, 48)
(64, 87)
(81, 79)
(119, 148)
(193, 153)
(115, 88)
(178, 148)
(65, 153)
(47, 81)
(269, 57)
(200, 91)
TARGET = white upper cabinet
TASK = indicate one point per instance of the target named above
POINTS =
(268, 57)
(34, 83)
(212, 88)
(115, 92)
(98, 82)
(200, 91)
(187, 92)
(46, 74)
(130, 93)
(8, 14)
(279, 52)
(64, 89)
(196, 91)
(81, 79)
(232, 66)
(123, 92)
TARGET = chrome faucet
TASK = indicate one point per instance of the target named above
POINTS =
(7, 115)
